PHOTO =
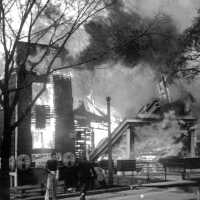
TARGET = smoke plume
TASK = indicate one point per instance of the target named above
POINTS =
(129, 88)
(130, 38)
(110, 42)
(129, 64)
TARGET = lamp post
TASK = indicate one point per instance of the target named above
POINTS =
(110, 170)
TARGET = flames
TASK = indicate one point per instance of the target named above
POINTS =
(159, 139)
(101, 129)
(43, 137)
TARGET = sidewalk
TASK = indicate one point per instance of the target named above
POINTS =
(145, 194)
(121, 183)
(131, 180)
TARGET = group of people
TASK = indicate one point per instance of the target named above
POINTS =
(79, 176)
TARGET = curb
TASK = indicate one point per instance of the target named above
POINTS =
(122, 188)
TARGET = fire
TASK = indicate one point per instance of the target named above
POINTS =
(159, 139)
(44, 137)
(100, 129)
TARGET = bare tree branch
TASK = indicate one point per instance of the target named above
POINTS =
(28, 109)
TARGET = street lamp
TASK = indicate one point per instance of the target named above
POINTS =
(110, 170)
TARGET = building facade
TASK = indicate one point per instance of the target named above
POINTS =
(50, 124)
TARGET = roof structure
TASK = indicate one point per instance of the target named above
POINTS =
(82, 114)
(150, 113)
(117, 133)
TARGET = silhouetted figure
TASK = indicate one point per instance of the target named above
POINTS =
(86, 176)
(52, 169)
(70, 176)
(100, 175)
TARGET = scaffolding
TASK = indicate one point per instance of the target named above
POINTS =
(84, 142)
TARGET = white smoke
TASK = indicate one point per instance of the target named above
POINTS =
(129, 89)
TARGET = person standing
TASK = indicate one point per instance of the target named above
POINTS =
(86, 175)
(52, 169)
(100, 176)
(70, 177)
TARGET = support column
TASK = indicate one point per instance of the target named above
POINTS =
(128, 144)
(192, 144)
(110, 169)
(92, 140)
(132, 142)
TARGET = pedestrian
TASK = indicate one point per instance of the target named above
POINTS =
(52, 169)
(86, 175)
(69, 172)
(100, 174)
(93, 176)
(70, 177)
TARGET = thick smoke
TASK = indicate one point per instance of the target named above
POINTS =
(131, 38)
(131, 65)
(129, 88)
(122, 25)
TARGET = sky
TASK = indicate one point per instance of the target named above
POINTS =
(182, 11)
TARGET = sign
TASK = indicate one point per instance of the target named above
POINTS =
(23, 162)
(104, 164)
(126, 165)
(40, 159)
(69, 159)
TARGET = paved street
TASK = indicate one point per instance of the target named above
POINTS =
(145, 194)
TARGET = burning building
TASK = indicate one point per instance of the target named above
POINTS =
(149, 138)
(84, 131)
(49, 125)
(161, 128)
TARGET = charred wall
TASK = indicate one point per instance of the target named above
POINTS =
(64, 140)
(24, 128)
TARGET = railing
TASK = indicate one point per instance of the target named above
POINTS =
(181, 165)
(35, 192)
(147, 171)
(132, 169)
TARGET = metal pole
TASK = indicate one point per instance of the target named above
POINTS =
(16, 136)
(110, 169)
(85, 144)
(192, 143)
(92, 139)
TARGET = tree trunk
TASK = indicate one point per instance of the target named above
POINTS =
(6, 147)
(4, 175)
(5, 152)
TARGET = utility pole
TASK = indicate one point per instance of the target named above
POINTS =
(110, 167)
(92, 139)
(16, 136)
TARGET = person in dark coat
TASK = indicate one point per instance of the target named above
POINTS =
(86, 176)
(52, 169)
(70, 177)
